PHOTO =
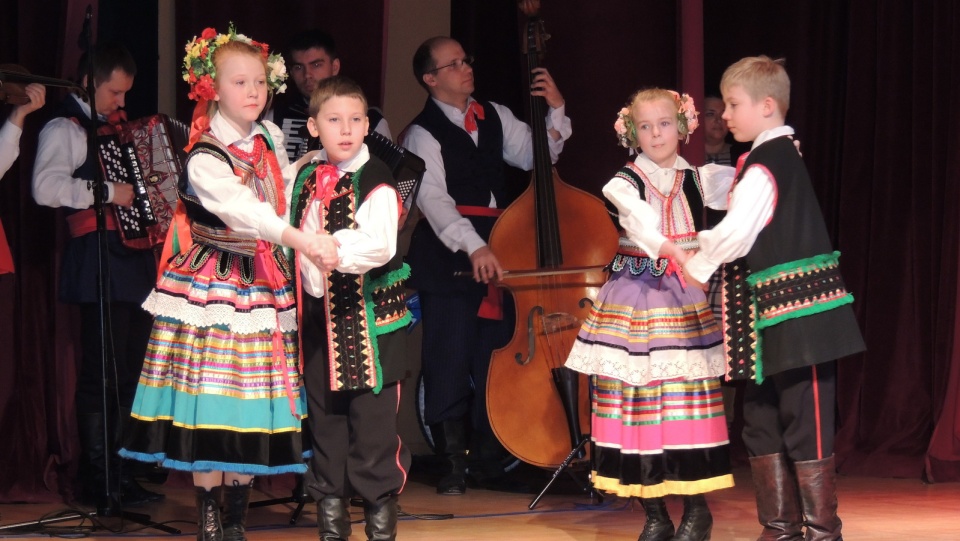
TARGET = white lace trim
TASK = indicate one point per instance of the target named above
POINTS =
(257, 320)
(641, 370)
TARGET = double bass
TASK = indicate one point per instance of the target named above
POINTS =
(554, 241)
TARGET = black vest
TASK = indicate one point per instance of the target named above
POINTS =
(473, 172)
(797, 231)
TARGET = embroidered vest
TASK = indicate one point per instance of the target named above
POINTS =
(359, 309)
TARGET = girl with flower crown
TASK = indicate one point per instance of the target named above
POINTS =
(220, 392)
(650, 343)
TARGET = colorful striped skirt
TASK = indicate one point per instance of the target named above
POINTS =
(221, 387)
(655, 353)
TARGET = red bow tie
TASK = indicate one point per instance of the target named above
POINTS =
(327, 178)
(474, 111)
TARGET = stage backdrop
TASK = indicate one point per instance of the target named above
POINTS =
(874, 100)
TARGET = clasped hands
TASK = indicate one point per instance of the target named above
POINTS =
(322, 250)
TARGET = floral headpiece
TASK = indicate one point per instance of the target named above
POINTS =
(686, 114)
(200, 72)
(625, 128)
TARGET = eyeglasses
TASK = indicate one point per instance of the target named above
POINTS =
(457, 64)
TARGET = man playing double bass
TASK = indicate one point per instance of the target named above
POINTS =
(465, 144)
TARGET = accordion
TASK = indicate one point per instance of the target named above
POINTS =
(145, 153)
(407, 167)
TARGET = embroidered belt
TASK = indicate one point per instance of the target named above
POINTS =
(798, 288)
(222, 239)
(633, 258)
(85, 221)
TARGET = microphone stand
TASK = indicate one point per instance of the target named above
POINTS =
(108, 505)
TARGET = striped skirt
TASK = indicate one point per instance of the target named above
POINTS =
(220, 387)
(655, 353)
(659, 439)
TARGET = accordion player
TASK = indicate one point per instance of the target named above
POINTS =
(144, 153)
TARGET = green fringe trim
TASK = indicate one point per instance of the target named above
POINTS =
(804, 265)
(298, 190)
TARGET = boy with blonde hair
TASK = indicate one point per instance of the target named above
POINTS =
(799, 320)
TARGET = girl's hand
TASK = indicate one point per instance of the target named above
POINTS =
(322, 249)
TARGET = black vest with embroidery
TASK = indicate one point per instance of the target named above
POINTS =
(631, 256)
(363, 312)
(473, 172)
(796, 231)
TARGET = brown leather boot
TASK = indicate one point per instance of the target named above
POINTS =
(818, 494)
(209, 527)
(658, 526)
(778, 505)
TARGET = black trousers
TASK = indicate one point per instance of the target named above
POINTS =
(792, 412)
(353, 434)
(456, 356)
(129, 333)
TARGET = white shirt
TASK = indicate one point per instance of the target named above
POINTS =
(751, 206)
(9, 145)
(455, 231)
(61, 149)
(640, 220)
(221, 191)
(370, 244)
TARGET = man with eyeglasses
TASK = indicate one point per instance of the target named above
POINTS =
(311, 58)
(465, 144)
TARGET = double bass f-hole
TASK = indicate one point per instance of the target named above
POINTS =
(551, 324)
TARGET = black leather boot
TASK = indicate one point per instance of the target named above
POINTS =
(697, 521)
(236, 500)
(381, 519)
(818, 495)
(333, 518)
(453, 446)
(778, 505)
(658, 526)
(209, 527)
(93, 455)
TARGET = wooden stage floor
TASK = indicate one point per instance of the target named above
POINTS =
(871, 509)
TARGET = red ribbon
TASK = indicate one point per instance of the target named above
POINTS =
(474, 111)
(327, 178)
(673, 268)
(199, 124)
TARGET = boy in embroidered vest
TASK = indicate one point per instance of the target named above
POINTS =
(352, 307)
(799, 320)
